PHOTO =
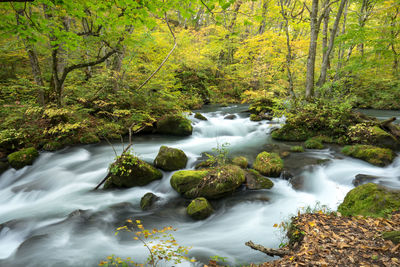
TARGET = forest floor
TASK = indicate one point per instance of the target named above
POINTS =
(332, 240)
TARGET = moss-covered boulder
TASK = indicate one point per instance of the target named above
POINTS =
(255, 181)
(200, 116)
(23, 157)
(130, 171)
(199, 209)
(297, 149)
(240, 161)
(210, 183)
(289, 132)
(370, 200)
(374, 155)
(268, 164)
(89, 139)
(147, 201)
(170, 159)
(313, 143)
(393, 236)
(52, 146)
(365, 133)
(174, 125)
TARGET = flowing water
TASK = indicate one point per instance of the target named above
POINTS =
(50, 216)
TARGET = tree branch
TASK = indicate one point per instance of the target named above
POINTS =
(269, 251)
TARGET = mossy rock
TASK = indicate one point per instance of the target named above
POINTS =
(199, 209)
(255, 181)
(372, 134)
(130, 171)
(205, 164)
(370, 200)
(210, 183)
(291, 133)
(52, 146)
(255, 117)
(268, 164)
(170, 159)
(200, 116)
(240, 161)
(393, 236)
(89, 139)
(372, 154)
(297, 149)
(174, 125)
(23, 157)
(147, 201)
(313, 143)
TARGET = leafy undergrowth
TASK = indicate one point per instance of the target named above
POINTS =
(332, 240)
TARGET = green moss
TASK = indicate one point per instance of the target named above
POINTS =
(174, 125)
(212, 183)
(199, 209)
(130, 171)
(364, 133)
(374, 155)
(370, 200)
(268, 164)
(240, 161)
(296, 149)
(23, 157)
(254, 117)
(393, 236)
(291, 133)
(313, 143)
(255, 181)
(89, 139)
(200, 116)
(170, 159)
(52, 146)
(205, 164)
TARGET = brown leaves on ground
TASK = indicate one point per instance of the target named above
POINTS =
(332, 240)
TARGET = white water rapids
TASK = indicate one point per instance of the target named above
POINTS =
(50, 216)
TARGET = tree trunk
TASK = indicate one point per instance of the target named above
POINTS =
(325, 63)
(261, 28)
(312, 50)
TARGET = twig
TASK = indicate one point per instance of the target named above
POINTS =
(165, 59)
(268, 251)
(108, 141)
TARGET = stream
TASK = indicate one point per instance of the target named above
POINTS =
(50, 215)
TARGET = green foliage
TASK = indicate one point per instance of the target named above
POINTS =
(161, 245)
(313, 143)
(296, 149)
(219, 157)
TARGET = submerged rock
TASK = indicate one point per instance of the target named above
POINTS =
(363, 178)
(130, 171)
(147, 201)
(200, 116)
(268, 164)
(174, 125)
(23, 157)
(170, 159)
(370, 200)
(374, 155)
(240, 161)
(199, 208)
(212, 183)
(255, 181)
(230, 117)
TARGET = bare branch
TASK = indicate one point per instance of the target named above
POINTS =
(268, 251)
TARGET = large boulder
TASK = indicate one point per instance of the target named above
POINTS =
(199, 208)
(268, 164)
(170, 159)
(370, 200)
(364, 133)
(210, 183)
(130, 171)
(147, 201)
(23, 157)
(174, 125)
(372, 154)
(255, 181)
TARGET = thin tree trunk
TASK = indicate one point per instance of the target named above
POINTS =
(312, 50)
(325, 63)
(264, 7)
